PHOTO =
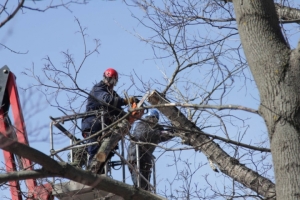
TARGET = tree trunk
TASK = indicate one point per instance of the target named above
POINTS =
(276, 71)
(228, 165)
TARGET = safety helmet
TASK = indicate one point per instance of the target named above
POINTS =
(111, 73)
(111, 76)
(153, 113)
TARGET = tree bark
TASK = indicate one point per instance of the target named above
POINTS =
(55, 169)
(228, 165)
(276, 72)
(288, 13)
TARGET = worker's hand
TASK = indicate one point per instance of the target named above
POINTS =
(85, 134)
(131, 100)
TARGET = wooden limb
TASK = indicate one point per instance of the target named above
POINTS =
(65, 170)
(109, 143)
(227, 164)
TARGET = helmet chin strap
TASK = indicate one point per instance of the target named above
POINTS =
(110, 81)
(113, 81)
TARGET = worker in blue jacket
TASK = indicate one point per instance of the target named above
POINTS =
(146, 131)
(102, 97)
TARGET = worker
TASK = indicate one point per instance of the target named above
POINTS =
(102, 98)
(146, 131)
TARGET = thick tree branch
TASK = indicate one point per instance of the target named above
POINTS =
(228, 165)
(23, 175)
(76, 174)
(288, 14)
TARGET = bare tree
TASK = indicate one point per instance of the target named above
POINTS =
(273, 64)
(206, 49)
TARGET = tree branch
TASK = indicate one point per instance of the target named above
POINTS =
(209, 135)
(285, 13)
(288, 14)
(197, 106)
(13, 13)
(67, 171)
(23, 175)
(227, 164)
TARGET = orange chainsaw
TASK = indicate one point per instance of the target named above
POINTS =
(135, 115)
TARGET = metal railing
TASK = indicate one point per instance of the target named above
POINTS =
(76, 143)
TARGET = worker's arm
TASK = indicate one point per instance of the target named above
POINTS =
(107, 97)
(166, 135)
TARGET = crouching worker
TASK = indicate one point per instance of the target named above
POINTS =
(147, 131)
(103, 98)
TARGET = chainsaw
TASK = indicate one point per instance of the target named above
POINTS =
(135, 115)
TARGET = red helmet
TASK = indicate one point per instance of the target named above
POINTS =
(111, 73)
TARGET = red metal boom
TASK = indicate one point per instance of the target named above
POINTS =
(9, 97)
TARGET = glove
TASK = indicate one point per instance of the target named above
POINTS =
(85, 134)
(131, 100)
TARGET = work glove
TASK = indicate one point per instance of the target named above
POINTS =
(131, 100)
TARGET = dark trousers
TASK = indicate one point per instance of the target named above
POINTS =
(92, 150)
(145, 170)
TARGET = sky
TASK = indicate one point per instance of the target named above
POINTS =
(37, 35)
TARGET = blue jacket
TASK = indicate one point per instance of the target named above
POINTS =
(143, 132)
(99, 94)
